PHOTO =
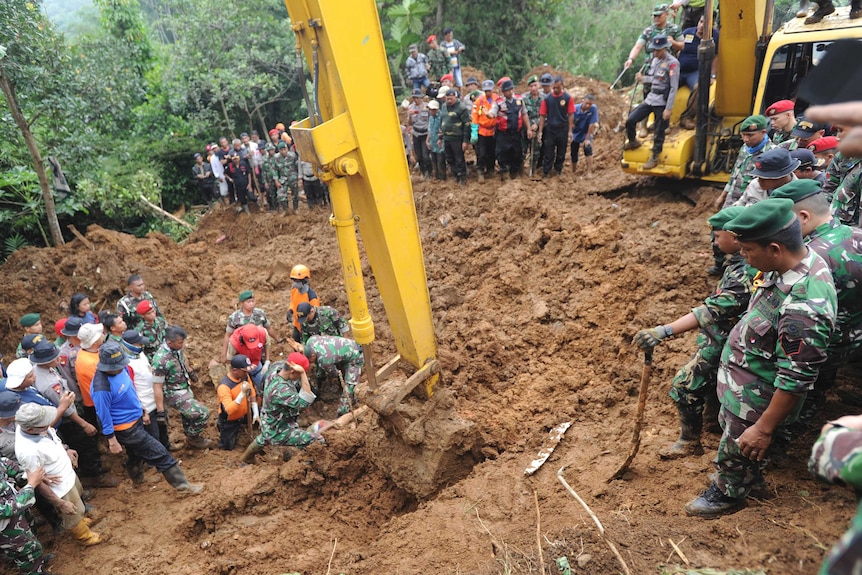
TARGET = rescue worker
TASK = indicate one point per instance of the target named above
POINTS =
(438, 60)
(455, 134)
(533, 102)
(808, 166)
(512, 118)
(805, 132)
(339, 353)
(18, 540)
(152, 327)
(416, 68)
(663, 77)
(320, 320)
(693, 387)
(773, 354)
(32, 325)
(254, 342)
(418, 118)
(845, 203)
(692, 11)
(782, 120)
(237, 398)
(287, 393)
(268, 174)
(286, 164)
(438, 154)
(247, 313)
(128, 304)
(585, 122)
(238, 173)
(300, 292)
(484, 130)
(660, 27)
(772, 170)
(171, 370)
(556, 119)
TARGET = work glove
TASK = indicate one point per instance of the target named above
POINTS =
(647, 339)
(266, 365)
(161, 417)
(474, 133)
(255, 410)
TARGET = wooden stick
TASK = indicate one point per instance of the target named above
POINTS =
(539, 532)
(598, 523)
(678, 551)
(639, 417)
(168, 215)
(331, 555)
(80, 236)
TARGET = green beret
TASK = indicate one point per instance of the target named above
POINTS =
(247, 294)
(753, 124)
(282, 145)
(532, 79)
(718, 220)
(29, 320)
(762, 220)
(798, 190)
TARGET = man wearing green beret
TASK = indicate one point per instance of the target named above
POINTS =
(773, 355)
(693, 387)
(286, 178)
(32, 324)
(246, 314)
(532, 102)
(754, 143)
(841, 247)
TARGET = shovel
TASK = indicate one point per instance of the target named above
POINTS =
(639, 417)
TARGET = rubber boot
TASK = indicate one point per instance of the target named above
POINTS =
(824, 8)
(84, 536)
(803, 8)
(245, 209)
(710, 415)
(651, 163)
(250, 451)
(198, 442)
(136, 472)
(688, 444)
(175, 476)
(855, 9)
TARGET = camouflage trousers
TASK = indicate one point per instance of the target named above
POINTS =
(19, 544)
(737, 474)
(194, 414)
(289, 189)
(291, 435)
(697, 378)
(350, 372)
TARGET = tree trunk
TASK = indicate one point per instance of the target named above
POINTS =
(228, 125)
(265, 132)
(50, 211)
(439, 21)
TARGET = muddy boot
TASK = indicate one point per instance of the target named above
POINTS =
(713, 503)
(855, 9)
(633, 144)
(175, 476)
(824, 9)
(803, 8)
(710, 415)
(250, 451)
(197, 441)
(81, 532)
(651, 163)
(690, 423)
(136, 472)
(481, 178)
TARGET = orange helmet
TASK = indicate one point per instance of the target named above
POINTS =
(300, 272)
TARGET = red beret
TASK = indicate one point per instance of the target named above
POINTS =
(823, 144)
(449, 77)
(431, 38)
(58, 326)
(780, 106)
(143, 307)
(273, 132)
(298, 359)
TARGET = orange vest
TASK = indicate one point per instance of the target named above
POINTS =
(481, 107)
(297, 298)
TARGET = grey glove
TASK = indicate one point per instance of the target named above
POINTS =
(647, 339)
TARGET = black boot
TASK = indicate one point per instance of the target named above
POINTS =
(690, 424)
(175, 476)
(710, 414)
(855, 9)
(713, 503)
(824, 9)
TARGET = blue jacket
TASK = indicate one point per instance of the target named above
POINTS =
(116, 401)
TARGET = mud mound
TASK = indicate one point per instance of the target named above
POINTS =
(537, 290)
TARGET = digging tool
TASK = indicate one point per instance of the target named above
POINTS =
(618, 78)
(533, 158)
(639, 417)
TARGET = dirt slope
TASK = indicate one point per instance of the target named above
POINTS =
(537, 290)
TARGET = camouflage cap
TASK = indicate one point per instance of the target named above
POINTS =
(660, 9)
(754, 124)
(798, 190)
(718, 220)
(762, 220)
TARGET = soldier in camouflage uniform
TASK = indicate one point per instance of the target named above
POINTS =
(532, 102)
(171, 370)
(127, 306)
(286, 177)
(287, 393)
(841, 247)
(345, 355)
(773, 354)
(438, 60)
(32, 324)
(845, 204)
(152, 327)
(267, 175)
(694, 384)
(319, 320)
(17, 540)
(837, 170)
(837, 458)
(246, 314)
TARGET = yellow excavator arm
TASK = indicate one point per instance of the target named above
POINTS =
(353, 137)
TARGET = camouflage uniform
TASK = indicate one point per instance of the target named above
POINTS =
(283, 401)
(268, 174)
(741, 176)
(127, 305)
(837, 458)
(784, 140)
(287, 174)
(238, 319)
(343, 354)
(327, 321)
(154, 333)
(779, 343)
(845, 203)
(532, 105)
(171, 366)
(716, 317)
(838, 169)
(17, 540)
(438, 61)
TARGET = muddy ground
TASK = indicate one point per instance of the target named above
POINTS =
(537, 290)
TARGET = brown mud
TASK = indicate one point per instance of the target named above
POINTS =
(537, 289)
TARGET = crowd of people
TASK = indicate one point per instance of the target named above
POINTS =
(113, 375)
